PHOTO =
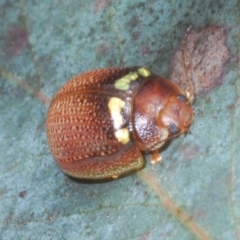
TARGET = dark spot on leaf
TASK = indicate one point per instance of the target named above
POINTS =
(22, 194)
(136, 35)
(133, 22)
(150, 11)
(137, 183)
(16, 40)
(103, 48)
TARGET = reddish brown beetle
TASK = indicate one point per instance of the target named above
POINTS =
(101, 121)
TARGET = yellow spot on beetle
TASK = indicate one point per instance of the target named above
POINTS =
(122, 135)
(123, 83)
(144, 72)
(115, 106)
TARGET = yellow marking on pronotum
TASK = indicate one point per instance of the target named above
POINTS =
(122, 135)
(144, 72)
(115, 106)
(123, 83)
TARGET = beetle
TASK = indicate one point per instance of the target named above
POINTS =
(101, 121)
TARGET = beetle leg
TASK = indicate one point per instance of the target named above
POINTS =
(156, 157)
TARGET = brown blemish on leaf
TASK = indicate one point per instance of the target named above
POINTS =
(201, 59)
(103, 48)
(101, 4)
(16, 40)
(189, 152)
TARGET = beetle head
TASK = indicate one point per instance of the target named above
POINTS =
(177, 115)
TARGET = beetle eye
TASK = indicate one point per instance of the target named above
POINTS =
(173, 128)
(182, 97)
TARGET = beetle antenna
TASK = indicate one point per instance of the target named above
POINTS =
(186, 67)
